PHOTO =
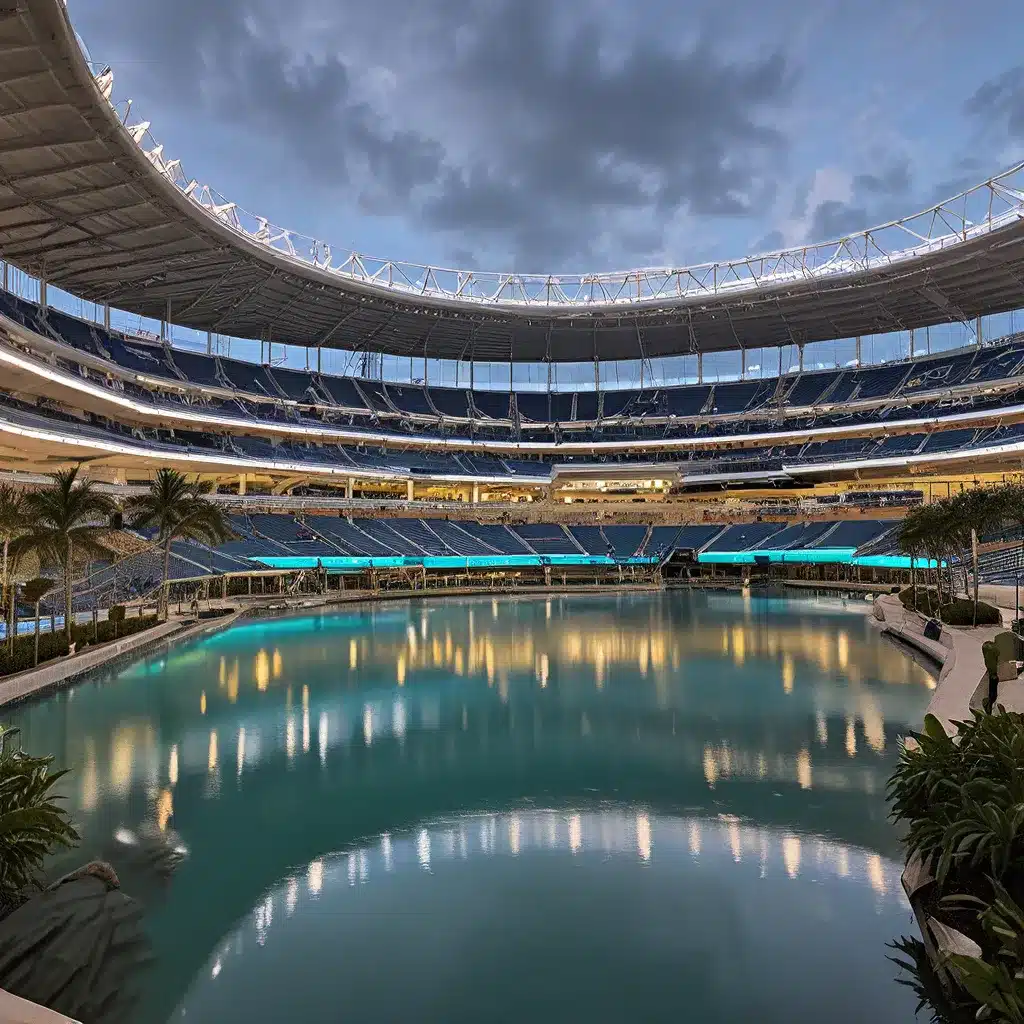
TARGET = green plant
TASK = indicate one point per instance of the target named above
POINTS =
(997, 983)
(962, 798)
(925, 600)
(34, 591)
(990, 652)
(180, 510)
(13, 523)
(964, 613)
(946, 1007)
(32, 822)
(63, 526)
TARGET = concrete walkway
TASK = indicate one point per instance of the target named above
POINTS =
(62, 671)
(963, 678)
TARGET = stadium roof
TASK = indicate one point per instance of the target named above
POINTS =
(89, 202)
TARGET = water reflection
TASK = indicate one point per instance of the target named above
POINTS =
(278, 741)
(836, 896)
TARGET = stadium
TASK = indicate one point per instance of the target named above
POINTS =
(710, 426)
(647, 507)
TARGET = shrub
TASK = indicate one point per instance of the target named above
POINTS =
(927, 600)
(51, 645)
(961, 613)
(32, 823)
(55, 645)
(998, 985)
(963, 799)
(106, 631)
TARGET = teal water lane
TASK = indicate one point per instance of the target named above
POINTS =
(598, 807)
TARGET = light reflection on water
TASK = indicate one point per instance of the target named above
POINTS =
(847, 900)
(277, 742)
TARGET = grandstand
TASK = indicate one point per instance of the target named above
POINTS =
(627, 467)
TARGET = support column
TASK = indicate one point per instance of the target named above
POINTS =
(408, 490)
(319, 352)
(977, 331)
(42, 292)
(700, 367)
(6, 284)
(913, 351)
(106, 315)
(209, 343)
(241, 484)
(349, 487)
(743, 363)
(476, 493)
(800, 357)
(856, 350)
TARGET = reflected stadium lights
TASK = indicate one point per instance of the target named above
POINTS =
(575, 833)
(803, 769)
(791, 855)
(643, 836)
(315, 877)
(321, 735)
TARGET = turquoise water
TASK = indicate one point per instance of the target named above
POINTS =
(598, 807)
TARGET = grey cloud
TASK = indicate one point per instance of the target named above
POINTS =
(877, 198)
(895, 181)
(584, 139)
(770, 242)
(552, 150)
(833, 219)
(999, 103)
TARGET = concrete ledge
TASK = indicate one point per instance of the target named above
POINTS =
(15, 1010)
(66, 670)
(963, 678)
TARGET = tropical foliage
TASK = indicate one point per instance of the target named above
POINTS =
(946, 533)
(996, 984)
(13, 523)
(961, 799)
(32, 822)
(179, 510)
(65, 523)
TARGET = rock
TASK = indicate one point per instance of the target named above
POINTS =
(78, 947)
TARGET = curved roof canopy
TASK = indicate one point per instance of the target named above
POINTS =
(89, 202)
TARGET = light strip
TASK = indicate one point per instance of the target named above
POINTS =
(210, 421)
(317, 469)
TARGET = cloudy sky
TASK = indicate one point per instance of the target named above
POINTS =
(572, 135)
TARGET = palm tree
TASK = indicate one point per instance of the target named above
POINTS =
(179, 510)
(980, 511)
(63, 525)
(13, 523)
(35, 590)
(33, 825)
(1012, 497)
(911, 538)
